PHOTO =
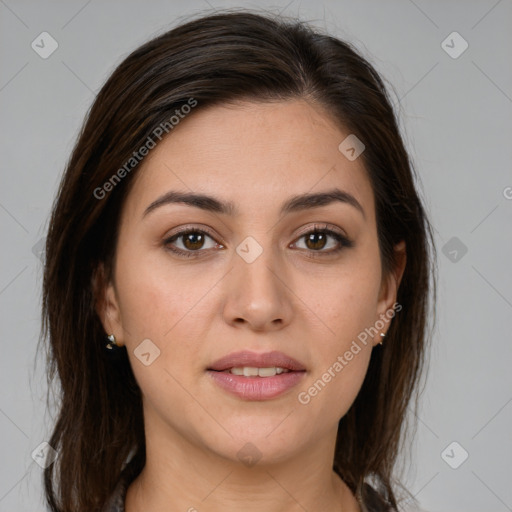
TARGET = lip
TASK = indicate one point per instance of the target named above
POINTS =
(256, 388)
(265, 360)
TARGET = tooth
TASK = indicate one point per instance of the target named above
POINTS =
(267, 372)
(250, 371)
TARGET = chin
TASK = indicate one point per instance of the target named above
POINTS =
(257, 441)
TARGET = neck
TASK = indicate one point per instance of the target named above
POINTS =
(183, 475)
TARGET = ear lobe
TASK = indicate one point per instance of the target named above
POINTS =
(106, 304)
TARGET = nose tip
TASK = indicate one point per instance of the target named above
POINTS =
(256, 295)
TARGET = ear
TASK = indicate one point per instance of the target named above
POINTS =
(106, 304)
(389, 286)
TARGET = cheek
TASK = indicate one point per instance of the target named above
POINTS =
(156, 299)
(346, 303)
(164, 307)
(172, 307)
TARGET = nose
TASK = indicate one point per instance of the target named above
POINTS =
(257, 294)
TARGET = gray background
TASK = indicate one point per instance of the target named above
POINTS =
(456, 114)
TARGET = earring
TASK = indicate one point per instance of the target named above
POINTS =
(382, 335)
(111, 345)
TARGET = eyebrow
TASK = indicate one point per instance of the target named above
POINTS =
(294, 204)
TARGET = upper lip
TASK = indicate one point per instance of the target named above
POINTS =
(255, 360)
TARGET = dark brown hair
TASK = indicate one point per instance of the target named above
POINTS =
(217, 59)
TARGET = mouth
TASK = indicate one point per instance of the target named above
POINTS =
(250, 360)
(254, 371)
(253, 376)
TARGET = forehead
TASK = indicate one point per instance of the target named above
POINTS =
(253, 154)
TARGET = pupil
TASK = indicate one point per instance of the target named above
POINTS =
(319, 237)
(194, 241)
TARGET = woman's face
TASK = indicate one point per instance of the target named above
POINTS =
(249, 277)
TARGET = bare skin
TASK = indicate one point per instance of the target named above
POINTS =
(301, 298)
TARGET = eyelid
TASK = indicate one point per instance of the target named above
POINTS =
(188, 228)
(344, 242)
(304, 231)
(331, 229)
(322, 226)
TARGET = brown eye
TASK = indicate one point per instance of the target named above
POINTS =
(316, 241)
(323, 238)
(191, 242)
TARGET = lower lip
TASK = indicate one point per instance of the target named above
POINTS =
(256, 388)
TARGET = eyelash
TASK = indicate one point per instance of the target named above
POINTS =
(341, 239)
